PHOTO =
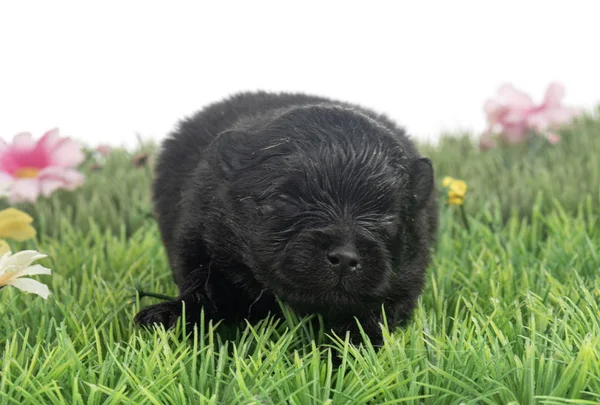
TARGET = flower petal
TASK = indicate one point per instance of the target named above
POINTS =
(34, 270)
(4, 248)
(486, 141)
(31, 286)
(24, 258)
(563, 115)
(494, 111)
(25, 190)
(6, 182)
(53, 178)
(49, 186)
(458, 187)
(15, 224)
(48, 141)
(539, 121)
(514, 134)
(514, 117)
(15, 214)
(66, 153)
(455, 200)
(514, 98)
(554, 95)
(446, 181)
(551, 117)
(23, 140)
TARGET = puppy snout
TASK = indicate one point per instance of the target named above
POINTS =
(343, 259)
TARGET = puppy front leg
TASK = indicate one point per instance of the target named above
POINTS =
(197, 295)
(370, 323)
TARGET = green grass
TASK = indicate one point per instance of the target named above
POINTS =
(510, 314)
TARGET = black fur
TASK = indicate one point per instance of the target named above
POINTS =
(254, 193)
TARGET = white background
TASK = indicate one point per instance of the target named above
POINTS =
(106, 70)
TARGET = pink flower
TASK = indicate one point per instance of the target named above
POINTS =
(513, 114)
(103, 149)
(553, 138)
(29, 168)
(487, 141)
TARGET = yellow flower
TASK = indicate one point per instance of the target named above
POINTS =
(457, 189)
(14, 267)
(447, 180)
(14, 224)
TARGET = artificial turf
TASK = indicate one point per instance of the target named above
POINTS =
(510, 313)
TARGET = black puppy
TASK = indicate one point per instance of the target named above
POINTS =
(326, 205)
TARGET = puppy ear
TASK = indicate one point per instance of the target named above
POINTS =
(230, 152)
(236, 150)
(421, 181)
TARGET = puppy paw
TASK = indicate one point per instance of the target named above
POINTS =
(165, 313)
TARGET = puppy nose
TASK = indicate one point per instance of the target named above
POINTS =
(343, 259)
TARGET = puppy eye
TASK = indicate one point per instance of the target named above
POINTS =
(282, 205)
(287, 205)
(390, 227)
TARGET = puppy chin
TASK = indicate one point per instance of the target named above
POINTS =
(329, 294)
(331, 303)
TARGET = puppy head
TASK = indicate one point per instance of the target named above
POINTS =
(325, 202)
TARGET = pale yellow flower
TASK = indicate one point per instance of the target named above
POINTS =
(14, 224)
(14, 266)
(4, 247)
